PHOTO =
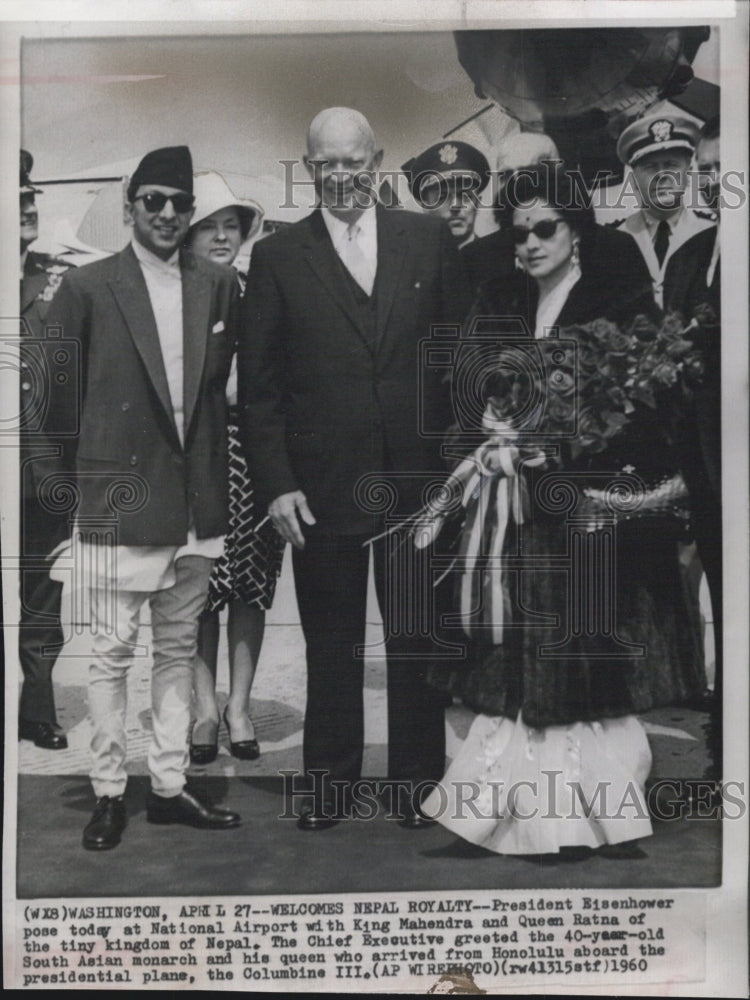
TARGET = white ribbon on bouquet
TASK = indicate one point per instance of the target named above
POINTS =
(496, 460)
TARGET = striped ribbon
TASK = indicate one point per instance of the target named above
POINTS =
(493, 496)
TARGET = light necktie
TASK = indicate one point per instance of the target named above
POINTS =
(355, 259)
(661, 243)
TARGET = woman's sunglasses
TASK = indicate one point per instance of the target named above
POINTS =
(155, 201)
(543, 230)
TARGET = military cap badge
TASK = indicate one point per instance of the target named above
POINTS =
(661, 130)
(448, 154)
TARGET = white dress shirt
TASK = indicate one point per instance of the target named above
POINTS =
(356, 245)
(164, 282)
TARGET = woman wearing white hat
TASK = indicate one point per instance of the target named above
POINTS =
(244, 579)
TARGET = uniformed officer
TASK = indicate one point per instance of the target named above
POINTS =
(446, 180)
(658, 149)
(40, 632)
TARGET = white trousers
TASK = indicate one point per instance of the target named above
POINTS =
(115, 618)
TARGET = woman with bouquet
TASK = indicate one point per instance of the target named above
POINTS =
(575, 608)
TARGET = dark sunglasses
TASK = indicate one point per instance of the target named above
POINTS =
(543, 230)
(155, 201)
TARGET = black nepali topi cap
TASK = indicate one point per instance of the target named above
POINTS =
(171, 166)
(444, 160)
(27, 162)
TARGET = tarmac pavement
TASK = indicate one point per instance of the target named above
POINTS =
(677, 737)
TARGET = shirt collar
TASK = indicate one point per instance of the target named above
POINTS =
(24, 255)
(652, 221)
(337, 227)
(145, 256)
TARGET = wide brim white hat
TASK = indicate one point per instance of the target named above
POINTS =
(212, 193)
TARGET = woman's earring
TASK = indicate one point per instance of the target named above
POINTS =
(519, 265)
(575, 256)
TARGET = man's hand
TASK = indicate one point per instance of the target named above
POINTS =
(283, 513)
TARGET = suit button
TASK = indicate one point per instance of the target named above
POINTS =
(377, 424)
(26, 386)
(24, 365)
(125, 407)
(134, 460)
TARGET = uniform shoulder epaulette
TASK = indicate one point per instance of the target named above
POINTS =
(706, 213)
(616, 223)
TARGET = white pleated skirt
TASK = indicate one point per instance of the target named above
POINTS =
(517, 790)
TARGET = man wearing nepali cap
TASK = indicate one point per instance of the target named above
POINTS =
(658, 149)
(446, 180)
(155, 328)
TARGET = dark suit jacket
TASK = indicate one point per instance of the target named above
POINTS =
(685, 276)
(127, 426)
(324, 399)
(611, 254)
(685, 291)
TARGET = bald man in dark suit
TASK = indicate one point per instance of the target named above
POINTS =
(331, 393)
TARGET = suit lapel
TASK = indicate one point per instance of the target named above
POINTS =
(391, 250)
(131, 293)
(196, 309)
(635, 225)
(324, 262)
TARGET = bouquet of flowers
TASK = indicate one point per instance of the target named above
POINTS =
(585, 386)
(581, 388)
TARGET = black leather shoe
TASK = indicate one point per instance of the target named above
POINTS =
(242, 749)
(413, 819)
(321, 818)
(204, 753)
(105, 827)
(187, 808)
(410, 815)
(42, 734)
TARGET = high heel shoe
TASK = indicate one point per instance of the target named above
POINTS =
(243, 749)
(204, 753)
